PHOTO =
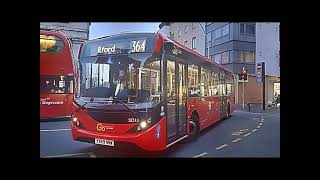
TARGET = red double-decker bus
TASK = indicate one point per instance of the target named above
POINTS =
(57, 76)
(147, 90)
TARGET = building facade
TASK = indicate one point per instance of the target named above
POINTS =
(77, 32)
(232, 45)
(190, 34)
(268, 51)
(242, 45)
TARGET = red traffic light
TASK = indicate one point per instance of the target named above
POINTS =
(244, 71)
(259, 66)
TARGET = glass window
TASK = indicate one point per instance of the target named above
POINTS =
(172, 35)
(186, 28)
(249, 56)
(204, 88)
(217, 58)
(217, 33)
(250, 29)
(50, 44)
(208, 39)
(225, 57)
(185, 43)
(150, 80)
(213, 84)
(179, 32)
(212, 57)
(241, 55)
(241, 28)
(222, 87)
(225, 30)
(229, 82)
(193, 83)
(194, 39)
(56, 84)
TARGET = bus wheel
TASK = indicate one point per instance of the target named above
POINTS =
(194, 128)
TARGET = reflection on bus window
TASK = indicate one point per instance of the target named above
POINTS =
(122, 79)
(193, 84)
(204, 81)
(213, 87)
(56, 84)
(150, 79)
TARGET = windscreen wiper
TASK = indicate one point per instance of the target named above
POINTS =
(125, 105)
(82, 106)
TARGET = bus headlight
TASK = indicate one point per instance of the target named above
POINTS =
(75, 121)
(143, 124)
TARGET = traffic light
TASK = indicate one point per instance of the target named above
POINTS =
(244, 74)
(259, 73)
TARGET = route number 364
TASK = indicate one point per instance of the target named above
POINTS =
(138, 46)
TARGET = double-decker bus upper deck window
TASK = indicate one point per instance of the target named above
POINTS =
(50, 44)
(56, 84)
(193, 83)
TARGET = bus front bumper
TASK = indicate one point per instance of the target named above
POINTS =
(146, 140)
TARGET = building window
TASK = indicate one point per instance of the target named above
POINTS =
(225, 57)
(194, 25)
(185, 43)
(250, 29)
(194, 39)
(247, 56)
(171, 35)
(217, 58)
(217, 33)
(208, 39)
(179, 32)
(211, 57)
(186, 28)
(225, 30)
(241, 28)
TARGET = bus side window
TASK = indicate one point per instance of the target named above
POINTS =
(193, 83)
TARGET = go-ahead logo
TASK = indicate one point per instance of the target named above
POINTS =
(101, 127)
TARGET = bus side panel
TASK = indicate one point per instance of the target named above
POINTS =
(213, 110)
(62, 108)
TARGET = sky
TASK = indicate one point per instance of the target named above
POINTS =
(103, 29)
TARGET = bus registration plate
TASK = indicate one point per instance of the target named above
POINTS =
(104, 142)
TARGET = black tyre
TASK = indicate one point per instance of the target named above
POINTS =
(194, 128)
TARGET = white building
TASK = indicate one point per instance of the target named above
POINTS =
(77, 32)
(190, 34)
(268, 51)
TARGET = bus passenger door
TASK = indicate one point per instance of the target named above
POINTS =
(176, 101)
